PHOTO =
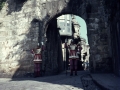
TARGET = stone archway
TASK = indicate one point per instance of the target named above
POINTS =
(18, 21)
(97, 32)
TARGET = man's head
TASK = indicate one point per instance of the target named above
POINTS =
(72, 42)
(75, 35)
(38, 45)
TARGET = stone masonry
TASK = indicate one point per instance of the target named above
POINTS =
(20, 32)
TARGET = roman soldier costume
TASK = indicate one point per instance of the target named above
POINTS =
(37, 61)
(73, 57)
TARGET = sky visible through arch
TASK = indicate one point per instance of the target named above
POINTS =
(83, 28)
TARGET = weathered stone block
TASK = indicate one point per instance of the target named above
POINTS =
(3, 33)
(93, 26)
(49, 7)
(94, 8)
(92, 15)
(42, 1)
(60, 5)
(44, 13)
(2, 39)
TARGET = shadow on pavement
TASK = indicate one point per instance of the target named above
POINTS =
(61, 79)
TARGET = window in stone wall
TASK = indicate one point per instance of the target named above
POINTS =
(62, 24)
(68, 24)
(68, 29)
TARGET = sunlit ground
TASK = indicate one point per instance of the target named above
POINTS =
(57, 82)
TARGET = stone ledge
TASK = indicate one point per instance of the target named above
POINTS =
(107, 81)
(101, 86)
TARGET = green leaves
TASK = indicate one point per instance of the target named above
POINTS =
(2, 3)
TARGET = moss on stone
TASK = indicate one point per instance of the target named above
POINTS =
(2, 3)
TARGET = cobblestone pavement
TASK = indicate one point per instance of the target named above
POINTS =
(57, 82)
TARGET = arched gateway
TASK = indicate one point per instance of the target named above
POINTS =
(31, 21)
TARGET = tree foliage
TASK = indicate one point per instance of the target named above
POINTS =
(2, 2)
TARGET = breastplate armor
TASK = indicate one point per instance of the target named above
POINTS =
(72, 47)
(38, 51)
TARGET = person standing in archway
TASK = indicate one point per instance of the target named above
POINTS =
(73, 58)
(37, 60)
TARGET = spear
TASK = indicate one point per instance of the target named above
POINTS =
(65, 55)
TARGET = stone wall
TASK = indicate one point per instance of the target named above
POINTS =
(112, 10)
(17, 35)
(98, 37)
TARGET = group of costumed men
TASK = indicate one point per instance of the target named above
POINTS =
(74, 51)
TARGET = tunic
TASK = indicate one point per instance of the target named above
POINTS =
(73, 54)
